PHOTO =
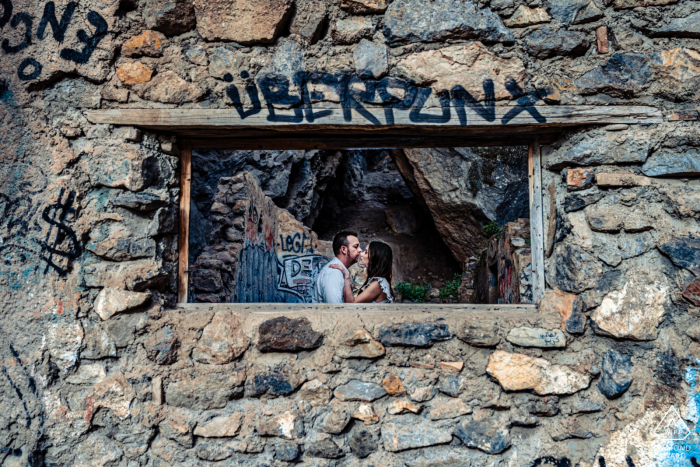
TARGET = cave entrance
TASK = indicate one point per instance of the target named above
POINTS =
(261, 222)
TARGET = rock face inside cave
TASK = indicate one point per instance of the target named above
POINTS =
(253, 212)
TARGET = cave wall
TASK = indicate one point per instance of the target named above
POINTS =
(99, 369)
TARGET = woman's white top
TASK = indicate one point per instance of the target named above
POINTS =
(384, 284)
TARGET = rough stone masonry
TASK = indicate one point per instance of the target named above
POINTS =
(98, 367)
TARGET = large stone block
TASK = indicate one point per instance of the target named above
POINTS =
(634, 312)
(203, 391)
(547, 42)
(371, 59)
(288, 425)
(524, 17)
(414, 334)
(440, 20)
(113, 300)
(125, 167)
(350, 30)
(601, 149)
(574, 11)
(222, 340)
(399, 438)
(617, 374)
(487, 435)
(359, 391)
(308, 20)
(359, 344)
(471, 66)
(536, 337)
(684, 252)
(516, 372)
(162, 346)
(680, 163)
(680, 27)
(242, 21)
(117, 247)
(169, 88)
(291, 335)
(575, 269)
(171, 17)
(134, 275)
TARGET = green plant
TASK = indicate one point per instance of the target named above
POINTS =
(473, 183)
(491, 228)
(413, 292)
(450, 289)
(527, 241)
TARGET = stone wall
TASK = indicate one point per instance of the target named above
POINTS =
(96, 369)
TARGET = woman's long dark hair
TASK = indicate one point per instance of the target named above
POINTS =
(381, 259)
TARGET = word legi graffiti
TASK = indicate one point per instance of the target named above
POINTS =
(30, 69)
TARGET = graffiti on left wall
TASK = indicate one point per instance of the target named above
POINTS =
(30, 69)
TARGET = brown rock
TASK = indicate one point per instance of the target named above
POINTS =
(601, 35)
(157, 389)
(242, 21)
(634, 312)
(150, 43)
(133, 72)
(454, 366)
(112, 93)
(449, 408)
(423, 366)
(162, 346)
(525, 16)
(692, 293)
(366, 413)
(220, 427)
(334, 421)
(359, 344)
(114, 393)
(579, 179)
(467, 65)
(222, 340)
(363, 7)
(177, 426)
(171, 17)
(288, 425)
(398, 406)
(315, 393)
(113, 300)
(479, 333)
(516, 372)
(393, 386)
(351, 30)
(572, 318)
(605, 218)
(610, 180)
(169, 88)
(284, 334)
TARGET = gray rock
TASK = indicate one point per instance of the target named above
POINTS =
(325, 449)
(206, 280)
(288, 425)
(414, 334)
(617, 374)
(213, 451)
(371, 59)
(452, 386)
(97, 342)
(171, 17)
(683, 252)
(334, 421)
(547, 42)
(351, 30)
(439, 20)
(204, 391)
(291, 335)
(287, 451)
(521, 417)
(574, 11)
(486, 435)
(575, 270)
(162, 346)
(143, 201)
(196, 54)
(123, 249)
(480, 334)
(417, 435)
(623, 75)
(576, 323)
(276, 382)
(577, 201)
(222, 61)
(536, 337)
(546, 407)
(680, 27)
(605, 148)
(307, 22)
(359, 391)
(686, 163)
(423, 394)
(361, 442)
(632, 245)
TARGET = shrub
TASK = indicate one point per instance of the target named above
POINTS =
(491, 228)
(450, 289)
(413, 292)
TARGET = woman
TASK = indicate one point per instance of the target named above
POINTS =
(377, 288)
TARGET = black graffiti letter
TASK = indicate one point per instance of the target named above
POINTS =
(524, 104)
(26, 63)
(232, 93)
(463, 99)
(59, 29)
(27, 20)
(275, 90)
(416, 116)
(6, 12)
(90, 42)
(60, 211)
(694, 462)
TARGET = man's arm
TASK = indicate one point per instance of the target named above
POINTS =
(333, 287)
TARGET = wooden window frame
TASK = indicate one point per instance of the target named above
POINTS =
(535, 200)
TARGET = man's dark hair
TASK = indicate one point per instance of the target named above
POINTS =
(341, 240)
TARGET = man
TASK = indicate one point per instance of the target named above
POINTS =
(330, 282)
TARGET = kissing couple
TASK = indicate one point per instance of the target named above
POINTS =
(334, 284)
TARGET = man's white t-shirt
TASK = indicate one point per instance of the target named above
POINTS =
(329, 284)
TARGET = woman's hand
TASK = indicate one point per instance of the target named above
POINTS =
(346, 275)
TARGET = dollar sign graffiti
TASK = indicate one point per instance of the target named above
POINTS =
(56, 218)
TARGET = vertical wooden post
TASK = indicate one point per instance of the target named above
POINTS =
(184, 231)
(536, 221)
